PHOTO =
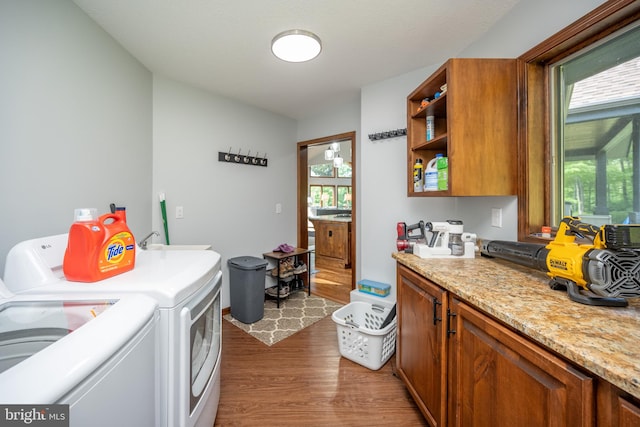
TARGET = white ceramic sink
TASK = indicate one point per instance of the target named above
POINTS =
(163, 247)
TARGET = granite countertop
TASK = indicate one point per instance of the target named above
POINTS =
(335, 218)
(603, 340)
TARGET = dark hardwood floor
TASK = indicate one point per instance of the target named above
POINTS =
(303, 381)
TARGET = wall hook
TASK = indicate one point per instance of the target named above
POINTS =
(387, 134)
(242, 159)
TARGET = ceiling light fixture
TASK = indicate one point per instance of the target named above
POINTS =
(337, 161)
(328, 154)
(296, 45)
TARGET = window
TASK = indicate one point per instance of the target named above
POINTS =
(344, 196)
(596, 114)
(322, 195)
(547, 150)
(344, 171)
(323, 170)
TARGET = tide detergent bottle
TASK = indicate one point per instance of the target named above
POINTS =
(98, 247)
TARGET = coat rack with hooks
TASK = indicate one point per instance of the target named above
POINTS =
(243, 159)
(387, 134)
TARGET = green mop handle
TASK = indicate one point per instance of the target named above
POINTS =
(163, 207)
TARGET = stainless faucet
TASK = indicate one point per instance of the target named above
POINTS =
(143, 243)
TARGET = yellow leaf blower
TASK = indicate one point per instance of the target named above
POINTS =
(604, 273)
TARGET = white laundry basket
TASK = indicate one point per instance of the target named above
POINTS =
(359, 336)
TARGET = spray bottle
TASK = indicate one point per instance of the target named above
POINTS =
(418, 175)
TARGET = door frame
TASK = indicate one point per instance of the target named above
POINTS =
(303, 184)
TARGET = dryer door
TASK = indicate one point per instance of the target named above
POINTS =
(201, 335)
(205, 346)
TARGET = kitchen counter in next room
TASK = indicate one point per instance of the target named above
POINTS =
(336, 218)
(602, 340)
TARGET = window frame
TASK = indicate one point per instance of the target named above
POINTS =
(534, 137)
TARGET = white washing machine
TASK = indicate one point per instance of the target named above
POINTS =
(185, 284)
(70, 350)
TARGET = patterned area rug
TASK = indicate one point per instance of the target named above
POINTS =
(296, 312)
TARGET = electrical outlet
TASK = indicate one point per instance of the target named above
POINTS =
(278, 208)
(179, 212)
(496, 217)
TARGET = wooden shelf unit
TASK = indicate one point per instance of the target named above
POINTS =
(476, 126)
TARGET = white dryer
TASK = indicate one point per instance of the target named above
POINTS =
(186, 286)
(68, 358)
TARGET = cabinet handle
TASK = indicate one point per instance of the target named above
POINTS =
(450, 314)
(436, 303)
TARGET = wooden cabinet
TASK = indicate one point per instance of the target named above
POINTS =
(616, 408)
(333, 240)
(499, 378)
(475, 126)
(421, 349)
(479, 372)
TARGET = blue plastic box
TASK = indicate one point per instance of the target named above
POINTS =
(374, 288)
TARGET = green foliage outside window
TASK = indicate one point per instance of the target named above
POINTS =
(580, 184)
(322, 170)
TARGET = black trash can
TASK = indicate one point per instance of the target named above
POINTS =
(246, 282)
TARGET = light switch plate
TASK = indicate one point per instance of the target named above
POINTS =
(496, 217)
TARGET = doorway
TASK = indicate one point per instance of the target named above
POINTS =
(327, 199)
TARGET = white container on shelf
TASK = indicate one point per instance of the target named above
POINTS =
(431, 128)
(431, 175)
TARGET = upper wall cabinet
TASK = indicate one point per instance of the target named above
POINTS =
(475, 126)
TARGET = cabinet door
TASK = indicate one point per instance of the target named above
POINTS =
(337, 239)
(500, 379)
(332, 239)
(325, 243)
(421, 350)
(616, 408)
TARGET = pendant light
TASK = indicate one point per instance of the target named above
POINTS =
(337, 161)
(296, 45)
(328, 154)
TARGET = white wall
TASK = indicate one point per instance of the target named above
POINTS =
(526, 25)
(75, 122)
(341, 119)
(383, 193)
(230, 206)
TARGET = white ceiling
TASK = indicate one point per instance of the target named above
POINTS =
(223, 46)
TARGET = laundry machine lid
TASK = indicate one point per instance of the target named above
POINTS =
(33, 263)
(54, 371)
